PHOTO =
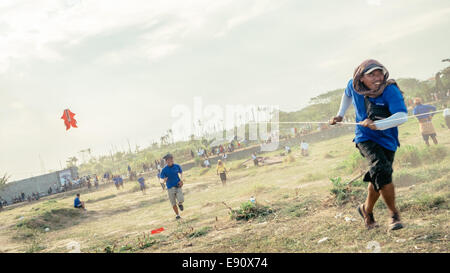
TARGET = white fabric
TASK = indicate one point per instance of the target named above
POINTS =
(346, 101)
(446, 112)
(392, 121)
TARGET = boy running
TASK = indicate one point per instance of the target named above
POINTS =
(173, 176)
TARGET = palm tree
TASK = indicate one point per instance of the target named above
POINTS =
(72, 161)
(4, 179)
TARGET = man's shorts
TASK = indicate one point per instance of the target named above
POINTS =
(79, 206)
(175, 194)
(380, 161)
(223, 177)
(447, 121)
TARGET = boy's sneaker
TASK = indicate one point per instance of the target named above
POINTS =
(181, 207)
(395, 222)
(368, 218)
(178, 217)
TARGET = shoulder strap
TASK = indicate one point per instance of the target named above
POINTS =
(367, 104)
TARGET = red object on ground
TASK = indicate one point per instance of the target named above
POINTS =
(69, 120)
(157, 230)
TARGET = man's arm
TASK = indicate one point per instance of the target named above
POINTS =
(394, 120)
(346, 101)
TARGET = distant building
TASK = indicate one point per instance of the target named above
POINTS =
(38, 184)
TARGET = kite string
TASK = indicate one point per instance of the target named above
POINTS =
(349, 123)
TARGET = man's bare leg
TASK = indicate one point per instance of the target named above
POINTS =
(372, 197)
(175, 209)
(434, 139)
(388, 194)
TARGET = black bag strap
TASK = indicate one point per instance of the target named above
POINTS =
(367, 104)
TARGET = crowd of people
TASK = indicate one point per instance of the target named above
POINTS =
(22, 197)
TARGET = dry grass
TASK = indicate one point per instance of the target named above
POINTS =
(298, 191)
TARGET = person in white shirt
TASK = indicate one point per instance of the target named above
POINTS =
(207, 164)
(255, 159)
(304, 146)
(447, 115)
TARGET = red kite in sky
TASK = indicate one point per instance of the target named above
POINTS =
(68, 119)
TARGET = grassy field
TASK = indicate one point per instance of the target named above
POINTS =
(295, 210)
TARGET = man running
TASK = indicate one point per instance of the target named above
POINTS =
(173, 176)
(379, 108)
(426, 126)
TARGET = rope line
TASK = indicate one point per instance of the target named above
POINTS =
(348, 123)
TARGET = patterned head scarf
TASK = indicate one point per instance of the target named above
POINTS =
(366, 67)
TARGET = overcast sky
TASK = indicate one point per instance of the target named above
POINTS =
(121, 66)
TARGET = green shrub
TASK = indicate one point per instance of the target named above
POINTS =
(345, 193)
(249, 210)
(201, 232)
(425, 202)
(409, 155)
(355, 162)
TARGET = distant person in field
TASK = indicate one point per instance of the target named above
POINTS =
(96, 182)
(158, 175)
(447, 116)
(77, 203)
(426, 126)
(116, 181)
(255, 159)
(120, 181)
(206, 163)
(304, 147)
(380, 109)
(173, 177)
(141, 181)
(287, 149)
(222, 172)
(89, 184)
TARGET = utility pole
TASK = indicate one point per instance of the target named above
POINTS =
(129, 146)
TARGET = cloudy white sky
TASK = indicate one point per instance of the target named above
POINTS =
(122, 65)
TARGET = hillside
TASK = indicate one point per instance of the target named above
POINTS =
(320, 108)
(294, 201)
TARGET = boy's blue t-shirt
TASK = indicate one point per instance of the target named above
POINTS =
(141, 180)
(391, 98)
(171, 172)
(76, 202)
(423, 109)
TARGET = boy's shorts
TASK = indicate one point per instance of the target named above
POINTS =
(175, 194)
(380, 161)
